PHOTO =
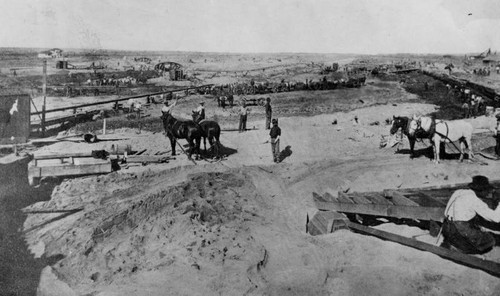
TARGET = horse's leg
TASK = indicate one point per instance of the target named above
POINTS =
(469, 147)
(412, 147)
(172, 144)
(197, 147)
(191, 147)
(437, 147)
(462, 149)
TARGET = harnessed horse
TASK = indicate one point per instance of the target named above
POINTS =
(211, 130)
(189, 130)
(448, 132)
(403, 122)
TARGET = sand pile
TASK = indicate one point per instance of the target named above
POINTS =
(196, 226)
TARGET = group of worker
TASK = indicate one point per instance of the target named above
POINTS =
(274, 134)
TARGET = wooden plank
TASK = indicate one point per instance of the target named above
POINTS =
(410, 212)
(62, 155)
(324, 221)
(377, 198)
(467, 260)
(359, 198)
(425, 200)
(329, 197)
(147, 158)
(70, 170)
(398, 198)
(344, 198)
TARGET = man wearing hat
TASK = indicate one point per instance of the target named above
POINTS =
(243, 117)
(168, 109)
(274, 138)
(200, 112)
(460, 228)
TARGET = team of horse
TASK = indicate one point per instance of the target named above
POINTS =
(192, 131)
(442, 132)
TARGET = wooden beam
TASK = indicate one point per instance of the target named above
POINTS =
(464, 259)
(398, 198)
(410, 212)
(121, 99)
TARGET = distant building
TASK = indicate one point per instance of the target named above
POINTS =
(51, 54)
(492, 60)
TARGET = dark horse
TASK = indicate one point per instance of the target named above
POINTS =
(211, 130)
(403, 122)
(189, 130)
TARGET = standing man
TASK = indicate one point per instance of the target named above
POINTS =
(497, 135)
(200, 112)
(460, 228)
(269, 113)
(274, 138)
(465, 109)
(243, 117)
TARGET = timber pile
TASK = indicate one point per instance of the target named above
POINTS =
(425, 204)
(85, 163)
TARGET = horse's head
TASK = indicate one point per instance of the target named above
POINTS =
(397, 123)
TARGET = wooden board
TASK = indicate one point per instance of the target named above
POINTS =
(35, 172)
(324, 222)
(377, 198)
(468, 260)
(399, 199)
(385, 210)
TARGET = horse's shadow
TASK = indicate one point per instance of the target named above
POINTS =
(417, 153)
(223, 150)
(285, 153)
(429, 153)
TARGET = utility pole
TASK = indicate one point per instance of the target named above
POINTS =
(44, 90)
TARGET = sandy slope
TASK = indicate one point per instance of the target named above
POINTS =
(238, 227)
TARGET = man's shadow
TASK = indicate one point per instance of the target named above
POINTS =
(285, 153)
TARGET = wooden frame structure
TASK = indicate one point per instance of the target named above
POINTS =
(418, 204)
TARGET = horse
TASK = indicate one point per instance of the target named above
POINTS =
(211, 130)
(447, 132)
(403, 122)
(177, 129)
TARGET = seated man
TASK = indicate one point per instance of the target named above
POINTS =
(460, 228)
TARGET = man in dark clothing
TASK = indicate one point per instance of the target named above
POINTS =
(243, 117)
(274, 138)
(269, 113)
(497, 135)
(460, 228)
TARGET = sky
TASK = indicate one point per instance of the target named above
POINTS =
(309, 26)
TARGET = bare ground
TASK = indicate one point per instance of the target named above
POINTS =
(237, 227)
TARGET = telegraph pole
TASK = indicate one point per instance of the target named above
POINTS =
(44, 90)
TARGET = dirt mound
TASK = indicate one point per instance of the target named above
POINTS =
(196, 225)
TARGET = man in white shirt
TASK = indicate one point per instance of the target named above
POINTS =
(168, 109)
(460, 228)
(199, 112)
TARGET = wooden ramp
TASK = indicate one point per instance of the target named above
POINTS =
(417, 203)
(410, 203)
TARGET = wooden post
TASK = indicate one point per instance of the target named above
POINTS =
(44, 89)
(104, 126)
